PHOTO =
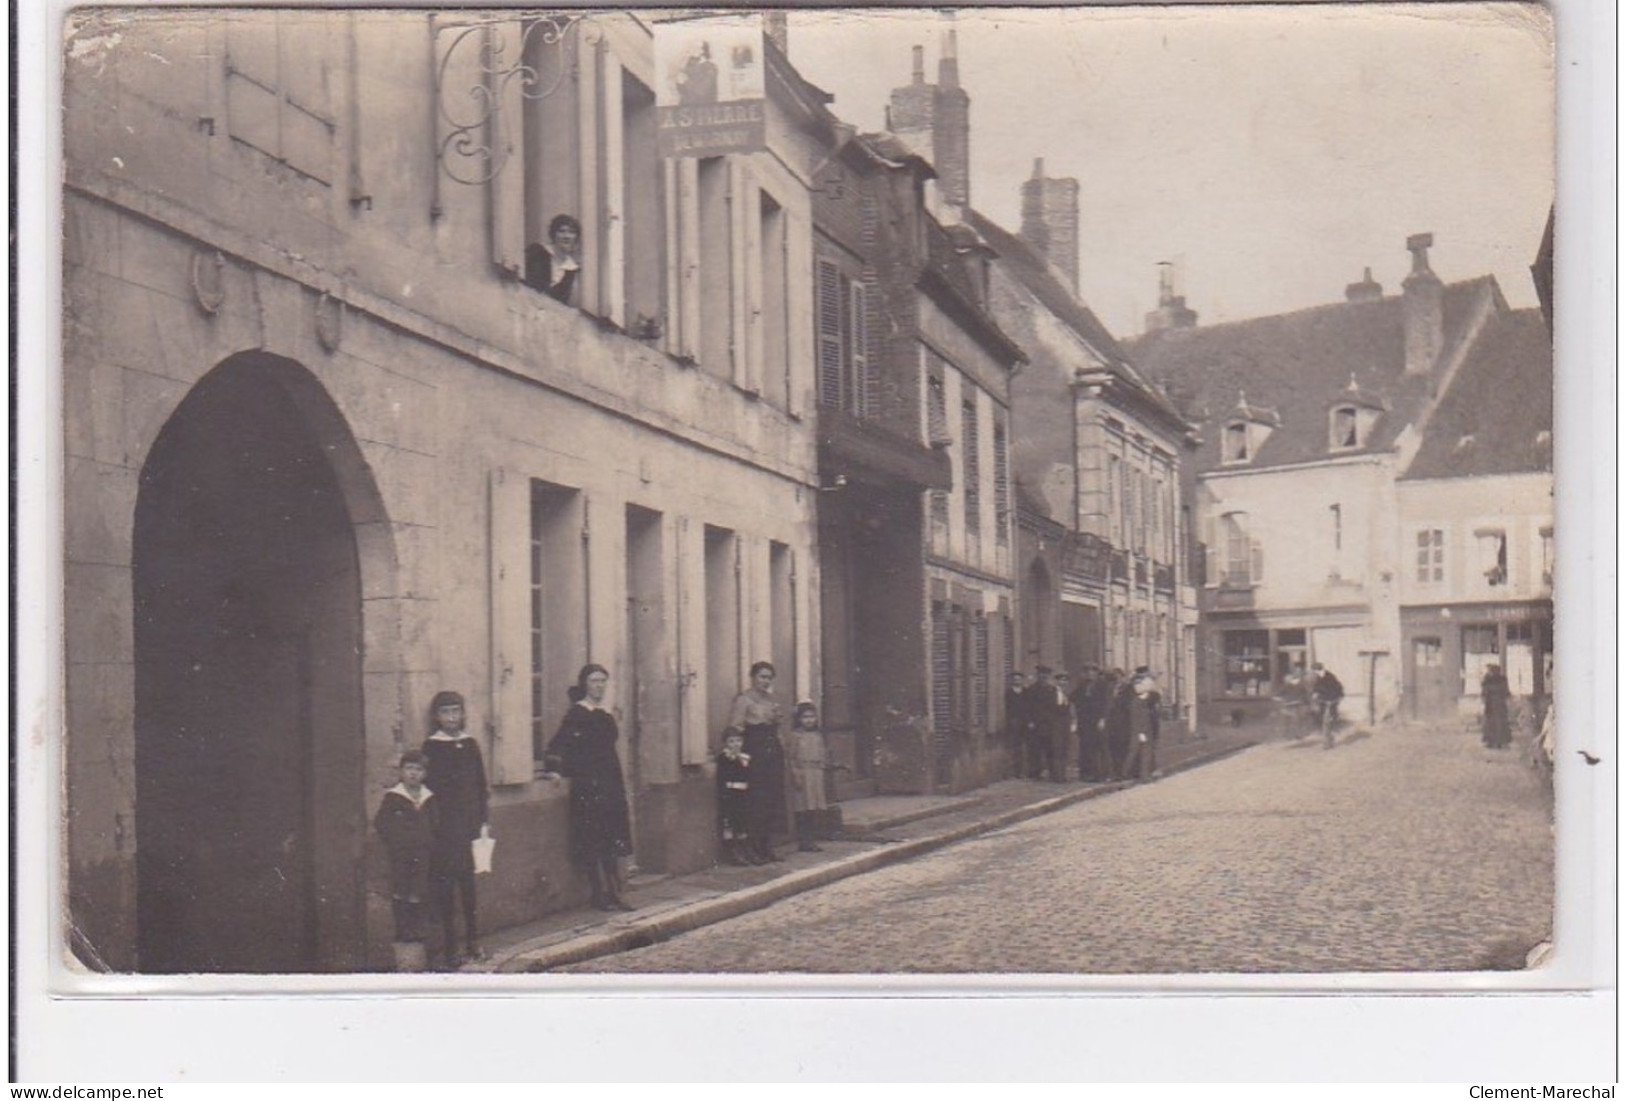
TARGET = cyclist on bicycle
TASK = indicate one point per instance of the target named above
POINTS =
(1325, 693)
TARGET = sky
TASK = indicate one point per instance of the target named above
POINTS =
(1270, 153)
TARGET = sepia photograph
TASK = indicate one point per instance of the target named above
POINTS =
(1052, 494)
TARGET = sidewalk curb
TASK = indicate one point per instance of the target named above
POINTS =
(869, 830)
(642, 932)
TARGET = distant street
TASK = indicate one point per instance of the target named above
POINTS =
(1412, 849)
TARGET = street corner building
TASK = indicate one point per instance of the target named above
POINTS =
(338, 437)
(1373, 492)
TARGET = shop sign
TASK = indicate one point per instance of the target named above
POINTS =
(710, 86)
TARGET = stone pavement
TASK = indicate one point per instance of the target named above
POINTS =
(878, 832)
(1410, 849)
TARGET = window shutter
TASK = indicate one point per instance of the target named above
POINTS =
(506, 137)
(509, 718)
(1210, 553)
(1001, 483)
(979, 670)
(860, 350)
(1257, 562)
(941, 673)
(829, 334)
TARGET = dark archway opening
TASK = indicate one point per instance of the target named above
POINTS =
(248, 738)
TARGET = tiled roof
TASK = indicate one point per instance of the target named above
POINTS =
(1034, 273)
(1300, 365)
(1496, 417)
(945, 262)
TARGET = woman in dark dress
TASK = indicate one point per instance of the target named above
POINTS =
(756, 714)
(1497, 723)
(583, 752)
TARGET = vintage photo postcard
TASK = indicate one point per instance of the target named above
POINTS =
(1052, 498)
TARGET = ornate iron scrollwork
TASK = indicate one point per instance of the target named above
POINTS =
(468, 152)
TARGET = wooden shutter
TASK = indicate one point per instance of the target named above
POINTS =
(1256, 575)
(509, 548)
(979, 670)
(1210, 553)
(506, 138)
(829, 334)
(971, 433)
(941, 673)
(859, 359)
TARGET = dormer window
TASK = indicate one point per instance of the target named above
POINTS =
(1345, 428)
(1235, 442)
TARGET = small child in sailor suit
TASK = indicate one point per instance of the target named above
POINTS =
(408, 819)
(733, 782)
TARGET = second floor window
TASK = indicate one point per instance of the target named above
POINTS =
(1243, 562)
(1492, 555)
(1430, 556)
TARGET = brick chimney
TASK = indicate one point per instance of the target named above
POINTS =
(933, 120)
(951, 147)
(1171, 311)
(1049, 220)
(1366, 290)
(776, 25)
(1423, 309)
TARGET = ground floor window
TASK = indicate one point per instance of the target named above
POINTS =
(1246, 663)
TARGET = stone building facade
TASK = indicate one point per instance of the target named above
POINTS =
(1308, 493)
(328, 453)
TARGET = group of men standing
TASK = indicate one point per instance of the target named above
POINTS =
(1114, 720)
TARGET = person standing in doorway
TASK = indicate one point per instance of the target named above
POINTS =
(1496, 694)
(456, 774)
(757, 715)
(583, 752)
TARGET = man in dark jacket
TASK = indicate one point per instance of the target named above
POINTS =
(1051, 717)
(1325, 694)
(1118, 736)
(1092, 765)
(1017, 726)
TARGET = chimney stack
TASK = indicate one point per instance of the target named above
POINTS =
(1423, 309)
(776, 25)
(1171, 311)
(1366, 290)
(1049, 221)
(933, 120)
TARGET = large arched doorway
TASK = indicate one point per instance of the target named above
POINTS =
(249, 749)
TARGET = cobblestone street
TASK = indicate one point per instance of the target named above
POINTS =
(1410, 849)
